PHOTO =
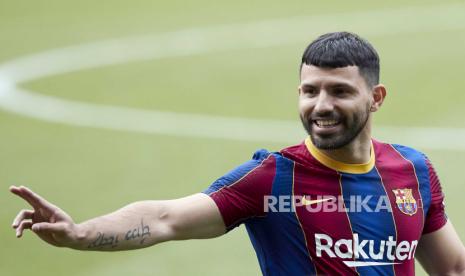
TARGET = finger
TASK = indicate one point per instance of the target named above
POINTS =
(19, 192)
(25, 224)
(24, 214)
(42, 227)
(32, 198)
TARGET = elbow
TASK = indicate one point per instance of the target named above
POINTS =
(447, 265)
(458, 269)
(163, 225)
(171, 225)
(452, 272)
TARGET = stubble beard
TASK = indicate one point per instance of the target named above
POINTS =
(342, 138)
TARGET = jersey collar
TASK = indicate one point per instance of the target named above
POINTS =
(340, 166)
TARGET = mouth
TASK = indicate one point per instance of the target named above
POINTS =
(326, 127)
(326, 123)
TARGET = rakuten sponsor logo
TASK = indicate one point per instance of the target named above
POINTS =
(363, 252)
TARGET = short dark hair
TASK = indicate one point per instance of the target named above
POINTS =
(341, 49)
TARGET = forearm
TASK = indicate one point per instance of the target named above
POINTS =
(137, 225)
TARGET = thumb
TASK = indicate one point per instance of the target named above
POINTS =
(48, 227)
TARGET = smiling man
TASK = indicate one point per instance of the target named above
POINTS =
(380, 206)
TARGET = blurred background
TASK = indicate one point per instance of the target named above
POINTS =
(103, 103)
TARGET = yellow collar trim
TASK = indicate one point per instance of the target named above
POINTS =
(340, 166)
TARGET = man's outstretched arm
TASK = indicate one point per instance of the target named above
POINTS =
(137, 225)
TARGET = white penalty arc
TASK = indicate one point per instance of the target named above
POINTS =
(204, 40)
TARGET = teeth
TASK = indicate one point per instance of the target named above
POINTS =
(326, 123)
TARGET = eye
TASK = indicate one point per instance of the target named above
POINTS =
(310, 91)
(340, 92)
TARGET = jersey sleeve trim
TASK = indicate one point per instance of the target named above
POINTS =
(436, 217)
(240, 194)
(211, 191)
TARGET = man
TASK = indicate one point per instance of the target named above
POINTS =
(339, 203)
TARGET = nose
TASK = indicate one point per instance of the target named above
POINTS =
(324, 103)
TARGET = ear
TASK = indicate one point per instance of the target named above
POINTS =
(299, 90)
(379, 94)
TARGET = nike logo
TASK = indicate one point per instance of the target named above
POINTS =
(310, 202)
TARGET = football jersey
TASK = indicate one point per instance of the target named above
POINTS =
(308, 214)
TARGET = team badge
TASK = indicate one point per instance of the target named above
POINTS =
(405, 201)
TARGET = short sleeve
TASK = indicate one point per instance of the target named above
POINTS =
(240, 193)
(436, 217)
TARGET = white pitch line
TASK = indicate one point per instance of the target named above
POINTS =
(195, 41)
(261, 34)
(148, 121)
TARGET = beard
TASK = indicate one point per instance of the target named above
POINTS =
(351, 129)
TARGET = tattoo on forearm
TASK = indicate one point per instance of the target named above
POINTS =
(103, 240)
(140, 232)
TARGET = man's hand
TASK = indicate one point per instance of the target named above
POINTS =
(48, 221)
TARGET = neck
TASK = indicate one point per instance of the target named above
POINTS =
(356, 152)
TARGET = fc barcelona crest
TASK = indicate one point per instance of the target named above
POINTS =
(405, 201)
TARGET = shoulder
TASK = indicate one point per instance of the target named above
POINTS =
(261, 154)
(409, 153)
(297, 153)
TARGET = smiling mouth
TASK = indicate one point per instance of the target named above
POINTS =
(326, 123)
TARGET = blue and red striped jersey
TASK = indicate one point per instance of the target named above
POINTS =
(308, 214)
